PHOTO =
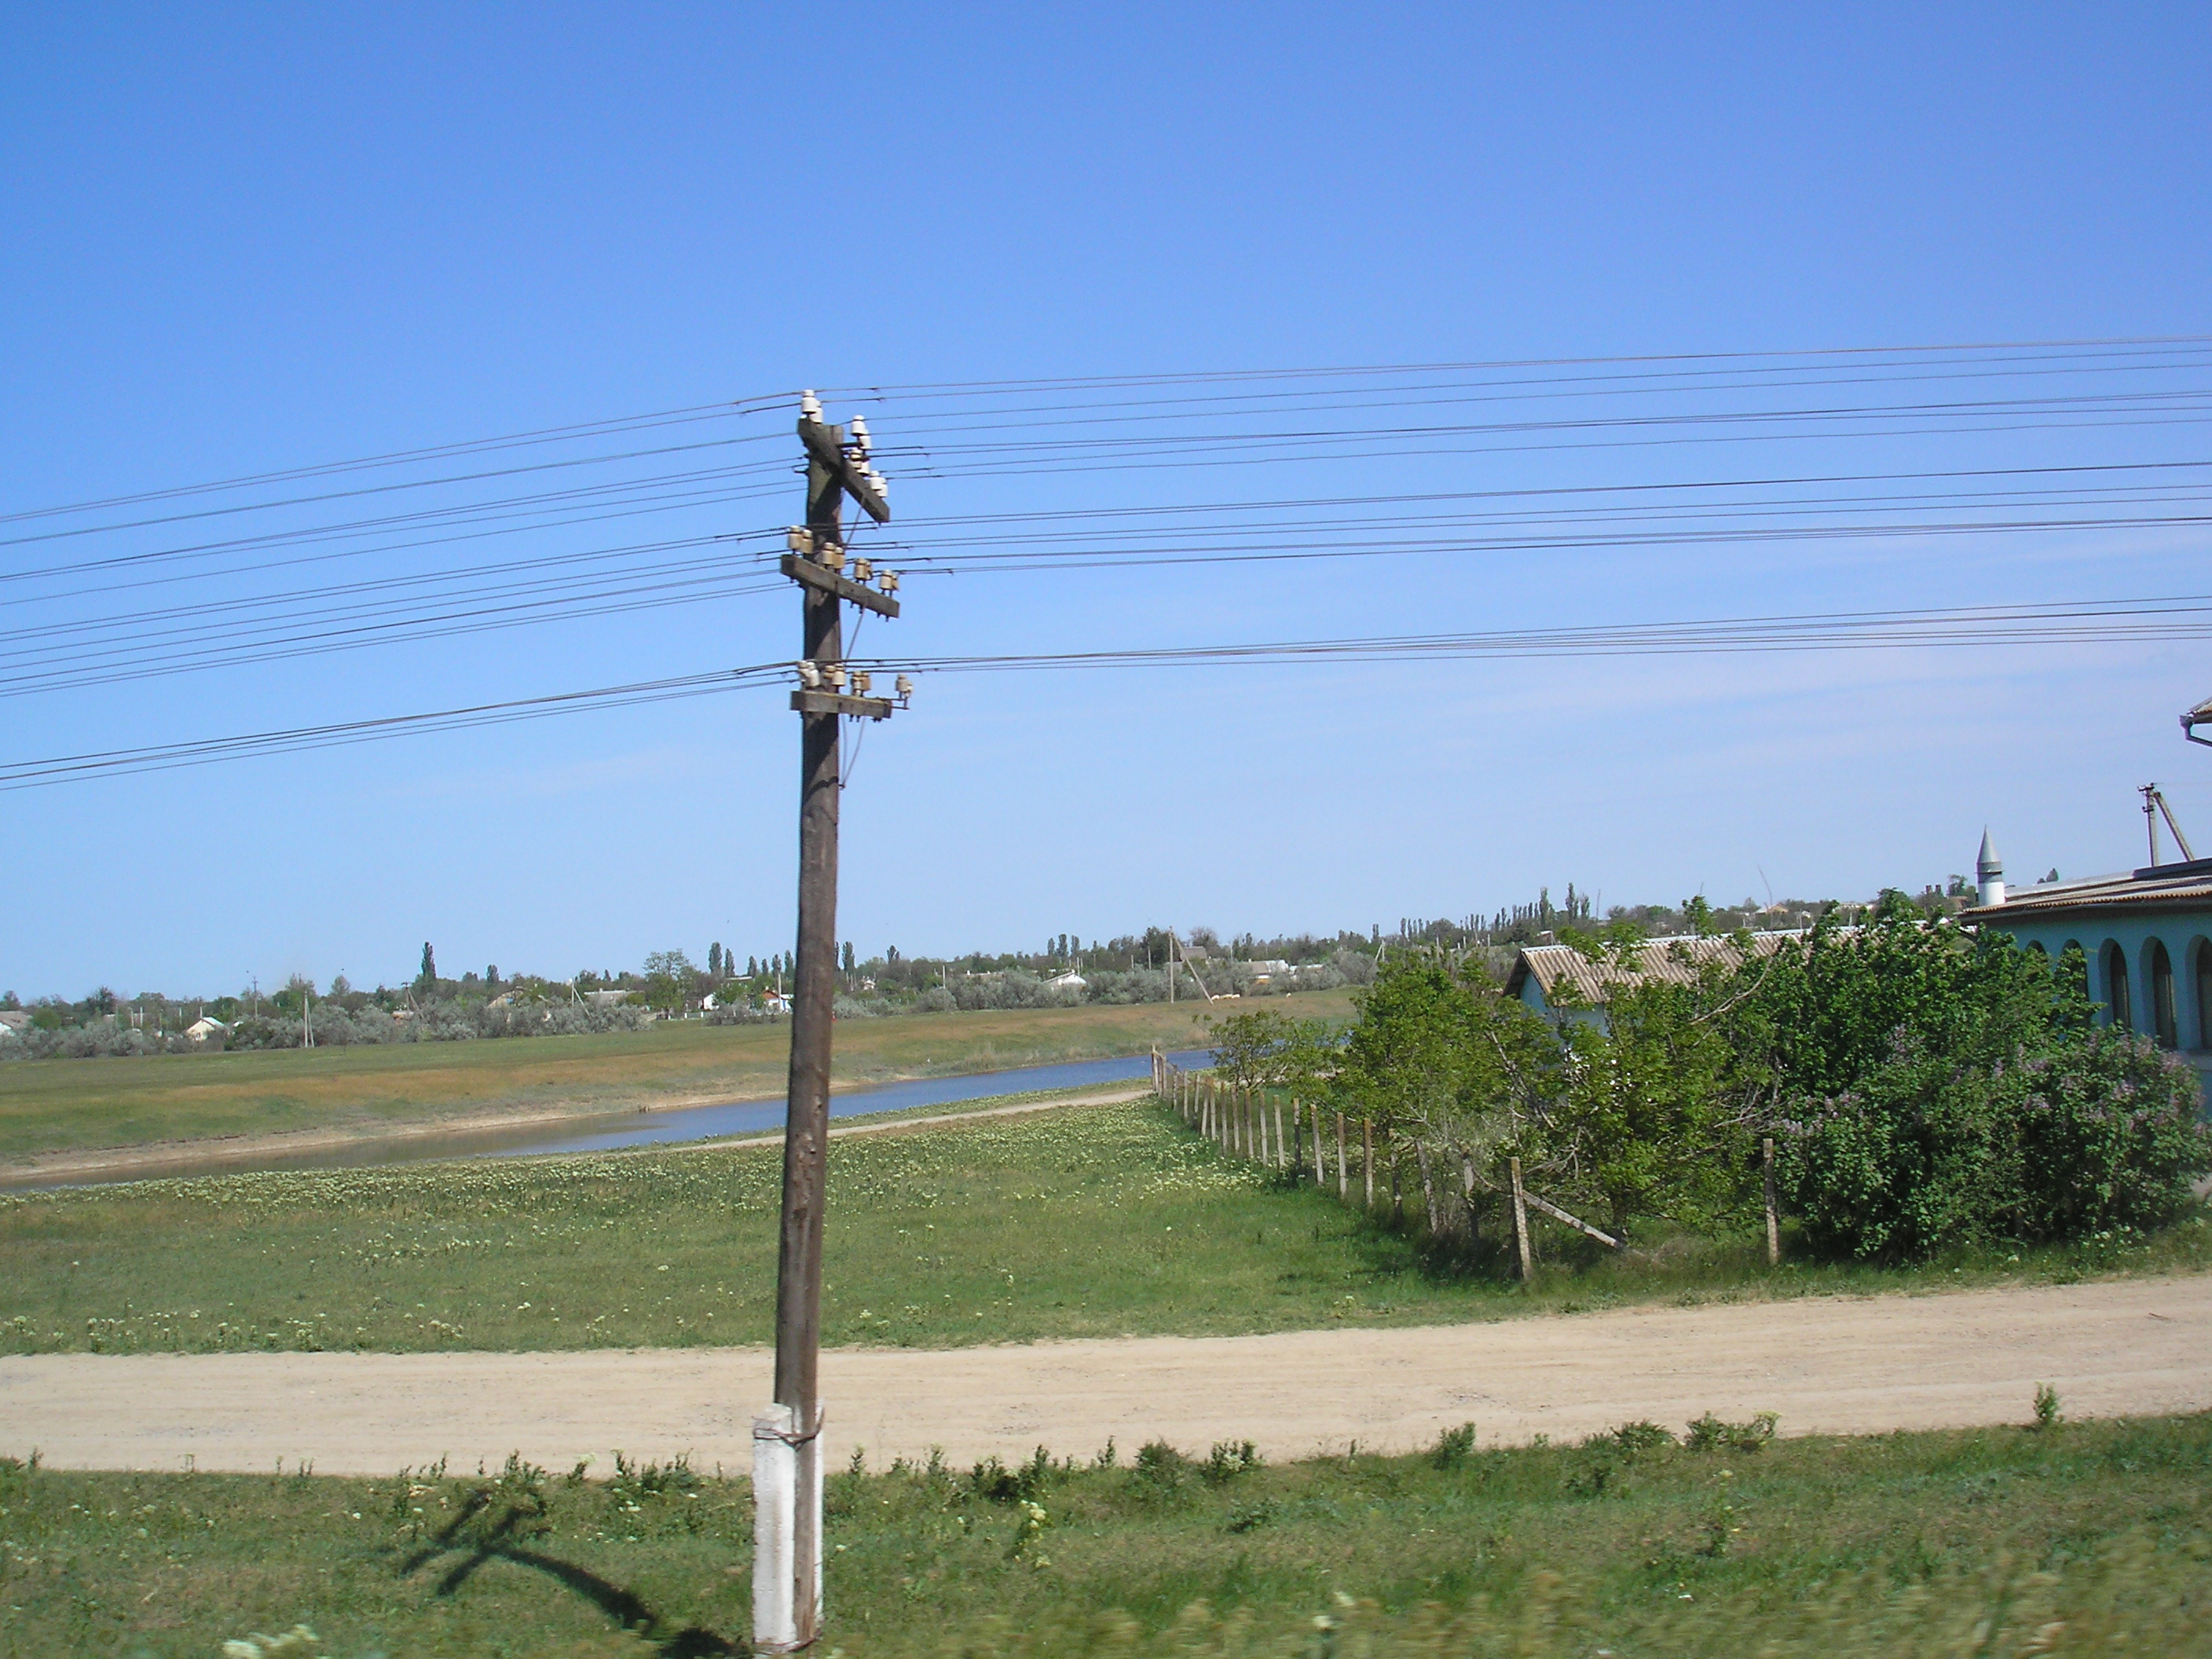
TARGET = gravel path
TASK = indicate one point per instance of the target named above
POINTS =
(1828, 1366)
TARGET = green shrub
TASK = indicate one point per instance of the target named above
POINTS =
(1453, 1448)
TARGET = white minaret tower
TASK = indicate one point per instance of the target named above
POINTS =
(1988, 872)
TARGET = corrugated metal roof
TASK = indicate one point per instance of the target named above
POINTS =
(2159, 887)
(1676, 961)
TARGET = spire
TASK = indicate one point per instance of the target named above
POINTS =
(1988, 872)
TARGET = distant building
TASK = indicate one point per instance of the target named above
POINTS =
(1070, 981)
(205, 1029)
(775, 1003)
(14, 1022)
(606, 999)
(1543, 975)
(1265, 973)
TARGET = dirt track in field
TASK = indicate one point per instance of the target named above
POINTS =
(1828, 1366)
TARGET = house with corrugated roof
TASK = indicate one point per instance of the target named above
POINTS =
(1560, 982)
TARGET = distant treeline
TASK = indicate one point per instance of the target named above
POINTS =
(1069, 970)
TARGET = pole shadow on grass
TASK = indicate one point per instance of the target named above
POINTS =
(479, 1538)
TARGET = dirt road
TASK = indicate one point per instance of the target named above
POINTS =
(1827, 1365)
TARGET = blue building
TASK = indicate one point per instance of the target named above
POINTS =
(2146, 935)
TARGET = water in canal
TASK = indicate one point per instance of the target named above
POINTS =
(593, 1135)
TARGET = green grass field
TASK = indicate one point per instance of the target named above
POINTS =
(1090, 1221)
(67, 1105)
(2084, 1538)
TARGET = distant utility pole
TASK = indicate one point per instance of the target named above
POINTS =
(787, 1438)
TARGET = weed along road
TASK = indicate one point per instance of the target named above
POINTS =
(1827, 1365)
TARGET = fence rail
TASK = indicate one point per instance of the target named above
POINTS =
(1294, 1138)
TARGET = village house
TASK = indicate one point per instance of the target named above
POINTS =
(1560, 982)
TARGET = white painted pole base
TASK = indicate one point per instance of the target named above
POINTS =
(787, 1532)
(775, 1541)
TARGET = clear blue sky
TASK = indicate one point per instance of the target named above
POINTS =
(234, 240)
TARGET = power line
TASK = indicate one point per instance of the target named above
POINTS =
(2132, 620)
(407, 457)
(1818, 353)
(25, 775)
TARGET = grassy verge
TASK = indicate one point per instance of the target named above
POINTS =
(66, 1104)
(2077, 1539)
(1096, 1221)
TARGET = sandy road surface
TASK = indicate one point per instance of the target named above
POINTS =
(1827, 1365)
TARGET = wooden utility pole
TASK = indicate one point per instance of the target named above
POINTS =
(787, 1438)
(1773, 1220)
(1521, 1221)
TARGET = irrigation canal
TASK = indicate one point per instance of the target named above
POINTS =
(612, 1132)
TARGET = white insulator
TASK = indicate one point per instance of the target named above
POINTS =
(905, 686)
(888, 581)
(810, 405)
(862, 681)
(864, 570)
(810, 677)
(799, 539)
(835, 673)
(860, 431)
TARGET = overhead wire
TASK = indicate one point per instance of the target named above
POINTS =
(2164, 617)
(1220, 419)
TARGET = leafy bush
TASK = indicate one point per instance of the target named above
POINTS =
(2110, 1133)
(1453, 1448)
(2100, 1132)
(1711, 1433)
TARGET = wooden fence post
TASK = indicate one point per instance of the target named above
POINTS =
(1320, 1162)
(1343, 1181)
(1521, 1221)
(1282, 1147)
(1773, 1221)
(1367, 1157)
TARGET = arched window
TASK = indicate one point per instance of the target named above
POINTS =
(2202, 975)
(2036, 945)
(2073, 970)
(2158, 968)
(2116, 986)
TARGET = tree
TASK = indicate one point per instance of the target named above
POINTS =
(715, 960)
(1938, 1088)
(752, 968)
(491, 975)
(848, 956)
(1273, 1050)
(1442, 1063)
(1656, 1119)
(428, 976)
